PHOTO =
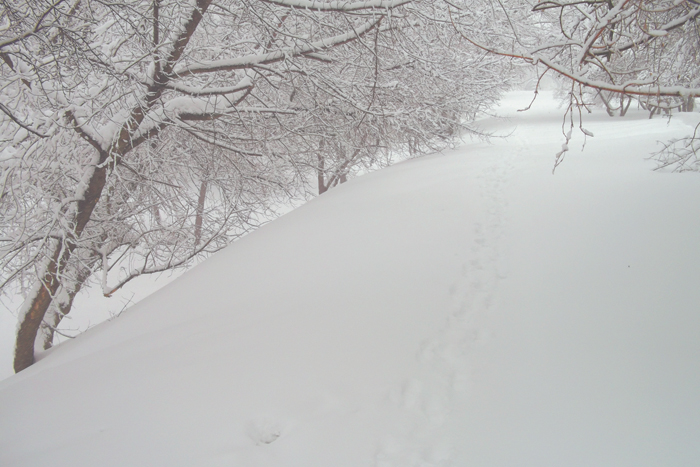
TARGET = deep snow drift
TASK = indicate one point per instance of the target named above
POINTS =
(463, 309)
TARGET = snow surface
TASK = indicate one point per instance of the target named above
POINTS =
(463, 309)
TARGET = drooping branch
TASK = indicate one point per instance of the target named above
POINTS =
(636, 87)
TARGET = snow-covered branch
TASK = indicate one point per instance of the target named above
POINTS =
(340, 6)
(39, 23)
(245, 84)
(251, 61)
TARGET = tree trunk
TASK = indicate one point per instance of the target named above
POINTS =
(200, 213)
(37, 303)
(56, 313)
(688, 104)
(623, 107)
(321, 169)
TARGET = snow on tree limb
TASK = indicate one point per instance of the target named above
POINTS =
(38, 25)
(251, 61)
(245, 84)
(341, 6)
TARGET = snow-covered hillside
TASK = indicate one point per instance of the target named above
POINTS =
(464, 309)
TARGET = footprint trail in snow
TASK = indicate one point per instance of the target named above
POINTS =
(444, 371)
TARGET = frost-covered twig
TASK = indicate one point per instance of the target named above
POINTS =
(680, 155)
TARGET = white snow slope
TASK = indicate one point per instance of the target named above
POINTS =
(465, 309)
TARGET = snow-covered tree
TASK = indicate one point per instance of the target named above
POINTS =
(137, 135)
(417, 88)
(610, 52)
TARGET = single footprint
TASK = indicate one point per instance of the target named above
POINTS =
(264, 430)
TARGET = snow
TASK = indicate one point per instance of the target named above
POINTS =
(657, 32)
(468, 308)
